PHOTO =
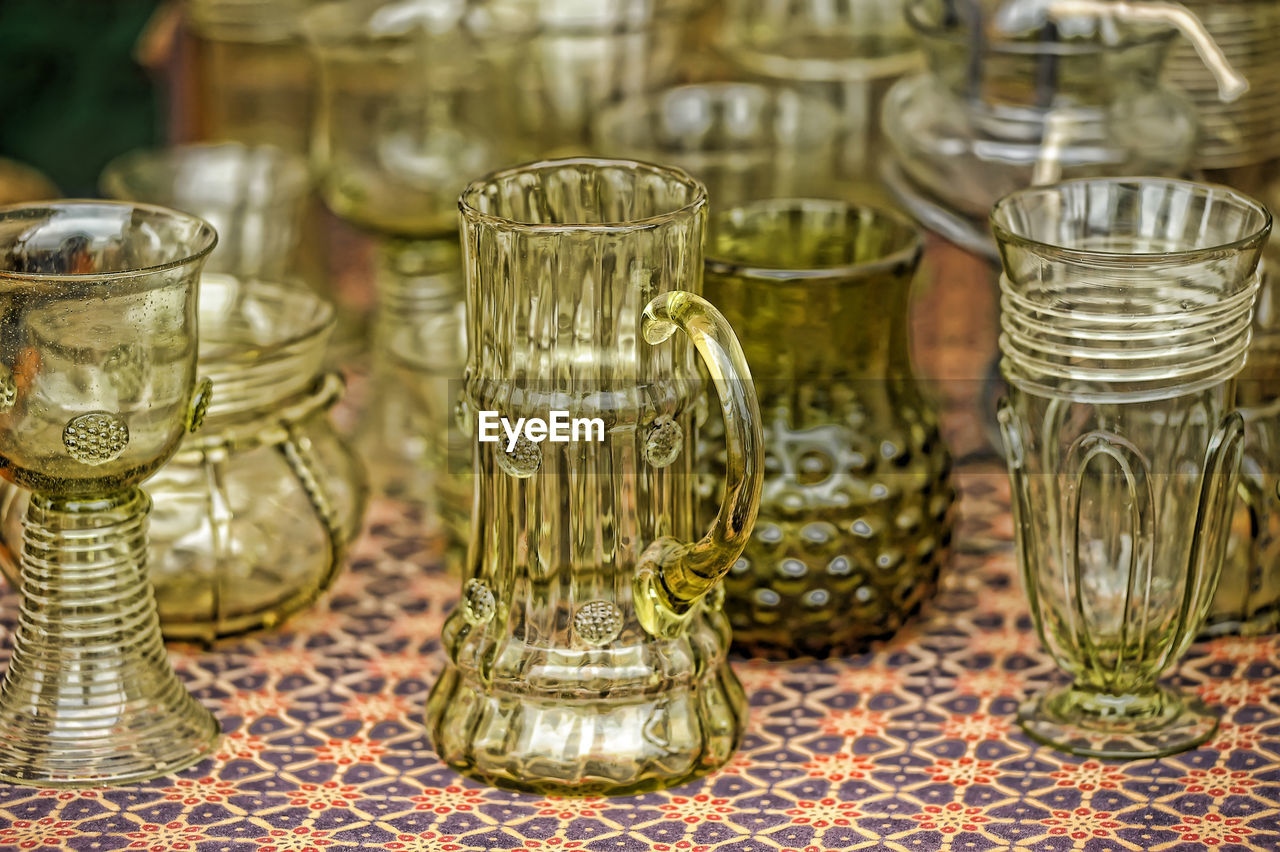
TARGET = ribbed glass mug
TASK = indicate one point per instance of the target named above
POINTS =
(97, 388)
(1126, 314)
(855, 519)
(588, 654)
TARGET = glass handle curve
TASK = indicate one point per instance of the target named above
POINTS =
(673, 575)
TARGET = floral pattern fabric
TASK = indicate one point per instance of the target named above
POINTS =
(910, 746)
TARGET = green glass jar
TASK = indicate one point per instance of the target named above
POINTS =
(856, 515)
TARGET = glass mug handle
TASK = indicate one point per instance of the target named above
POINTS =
(673, 575)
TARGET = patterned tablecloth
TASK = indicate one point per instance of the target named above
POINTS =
(911, 746)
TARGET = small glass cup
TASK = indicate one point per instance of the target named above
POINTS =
(255, 196)
(743, 140)
(1126, 306)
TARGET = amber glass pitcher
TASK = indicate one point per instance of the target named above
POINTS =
(855, 520)
(587, 655)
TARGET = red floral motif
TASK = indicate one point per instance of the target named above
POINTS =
(281, 662)
(557, 842)
(1088, 776)
(858, 722)
(1235, 691)
(28, 834)
(810, 849)
(239, 745)
(397, 667)
(300, 839)
(591, 806)
(170, 837)
(963, 771)
(758, 676)
(376, 707)
(1218, 781)
(694, 809)
(1244, 649)
(1081, 823)
(426, 841)
(679, 846)
(207, 790)
(951, 818)
(1212, 829)
(258, 704)
(737, 765)
(989, 683)
(823, 813)
(68, 795)
(1007, 643)
(1235, 737)
(975, 727)
(840, 766)
(419, 627)
(351, 750)
(449, 800)
(318, 797)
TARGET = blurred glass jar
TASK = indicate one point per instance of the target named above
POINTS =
(742, 140)
(589, 53)
(856, 514)
(847, 54)
(254, 196)
(20, 182)
(1070, 101)
(253, 517)
(254, 80)
(413, 104)
(1248, 596)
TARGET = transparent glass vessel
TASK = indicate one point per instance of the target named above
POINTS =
(856, 514)
(588, 654)
(254, 515)
(847, 54)
(742, 140)
(1126, 319)
(253, 78)
(255, 196)
(97, 388)
(587, 55)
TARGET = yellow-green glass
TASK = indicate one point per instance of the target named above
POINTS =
(587, 655)
(856, 516)
(97, 388)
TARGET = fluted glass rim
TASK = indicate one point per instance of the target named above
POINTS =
(290, 171)
(207, 240)
(1255, 238)
(691, 208)
(723, 265)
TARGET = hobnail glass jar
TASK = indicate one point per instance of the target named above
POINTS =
(856, 514)
(253, 517)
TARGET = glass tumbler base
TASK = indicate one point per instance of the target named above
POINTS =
(1086, 723)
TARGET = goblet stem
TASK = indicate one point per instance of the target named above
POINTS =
(90, 697)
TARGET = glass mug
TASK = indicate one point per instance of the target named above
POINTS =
(1126, 315)
(588, 654)
(856, 515)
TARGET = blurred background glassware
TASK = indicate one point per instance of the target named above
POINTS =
(847, 54)
(589, 54)
(253, 516)
(742, 140)
(856, 515)
(255, 196)
(1126, 317)
(589, 652)
(1243, 132)
(253, 81)
(21, 182)
(1248, 598)
(415, 99)
(98, 387)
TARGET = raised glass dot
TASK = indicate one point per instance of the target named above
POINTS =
(839, 567)
(792, 568)
(816, 598)
(766, 597)
(769, 533)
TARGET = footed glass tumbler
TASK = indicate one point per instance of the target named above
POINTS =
(856, 515)
(97, 388)
(588, 654)
(1126, 313)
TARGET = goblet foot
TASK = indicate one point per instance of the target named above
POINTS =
(1160, 722)
(90, 697)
